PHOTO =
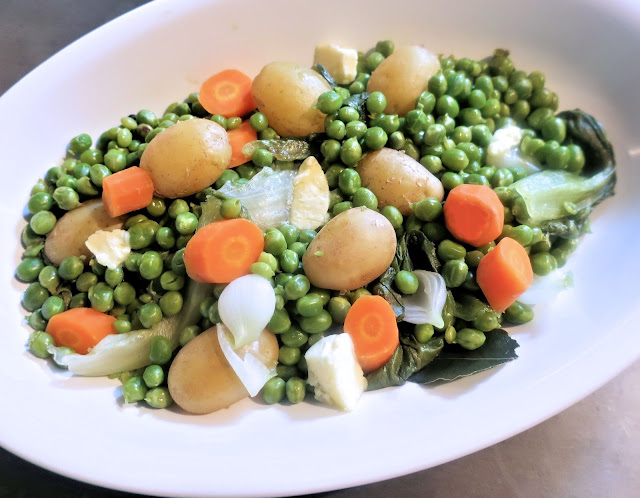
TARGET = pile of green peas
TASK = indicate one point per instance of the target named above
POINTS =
(447, 132)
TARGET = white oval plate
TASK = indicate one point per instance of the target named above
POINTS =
(161, 52)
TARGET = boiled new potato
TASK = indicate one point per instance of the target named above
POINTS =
(187, 157)
(397, 179)
(200, 378)
(285, 93)
(350, 251)
(72, 230)
(403, 76)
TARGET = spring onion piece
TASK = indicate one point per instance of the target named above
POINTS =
(425, 306)
(283, 150)
(245, 306)
(267, 196)
(504, 150)
(253, 369)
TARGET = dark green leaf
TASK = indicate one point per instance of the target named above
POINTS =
(358, 102)
(410, 357)
(456, 362)
(319, 68)
(422, 251)
(468, 308)
(384, 287)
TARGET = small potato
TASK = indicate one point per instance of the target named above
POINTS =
(397, 179)
(350, 251)
(403, 76)
(71, 232)
(187, 157)
(285, 93)
(200, 378)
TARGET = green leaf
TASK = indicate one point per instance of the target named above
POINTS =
(422, 251)
(455, 362)
(409, 357)
(384, 287)
(319, 68)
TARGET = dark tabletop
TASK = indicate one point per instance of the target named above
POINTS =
(590, 450)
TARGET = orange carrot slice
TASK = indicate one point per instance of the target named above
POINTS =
(80, 328)
(223, 251)
(238, 137)
(127, 190)
(227, 93)
(504, 273)
(473, 214)
(372, 325)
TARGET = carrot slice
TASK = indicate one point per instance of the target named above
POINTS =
(504, 273)
(238, 137)
(473, 214)
(227, 93)
(223, 251)
(127, 190)
(372, 325)
(80, 328)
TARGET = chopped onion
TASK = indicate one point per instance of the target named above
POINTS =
(547, 287)
(425, 306)
(267, 196)
(245, 306)
(253, 369)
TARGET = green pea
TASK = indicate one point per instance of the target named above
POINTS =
(171, 281)
(427, 209)
(328, 102)
(455, 159)
(80, 143)
(396, 140)
(113, 276)
(288, 355)
(307, 235)
(165, 238)
(309, 305)
(470, 338)
(85, 281)
(134, 389)
(294, 337)
(66, 198)
(262, 269)
(275, 243)
(273, 390)
(406, 282)
(435, 232)
(296, 287)
(228, 175)
(29, 269)
(448, 250)
(518, 313)
(52, 306)
(349, 181)
(364, 197)
(156, 207)
(338, 308)
(259, 121)
(559, 158)
(171, 303)
(347, 114)
(33, 250)
(187, 334)
(394, 216)
(101, 297)
(522, 234)
(332, 174)
(186, 223)
(42, 222)
(296, 389)
(375, 138)
(41, 201)
(270, 260)
(280, 322)
(543, 263)
(289, 261)
(178, 207)
(39, 344)
(153, 375)
(299, 248)
(336, 130)
(316, 324)
(330, 149)
(454, 273)
(423, 332)
(487, 321)
(158, 397)
(437, 84)
(390, 123)
(350, 151)
(150, 265)
(49, 278)
(150, 314)
(122, 326)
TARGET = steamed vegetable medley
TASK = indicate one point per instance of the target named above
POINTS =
(314, 231)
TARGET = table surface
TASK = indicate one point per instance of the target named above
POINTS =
(591, 449)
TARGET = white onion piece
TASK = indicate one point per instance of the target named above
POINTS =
(425, 306)
(267, 196)
(253, 369)
(546, 288)
(245, 306)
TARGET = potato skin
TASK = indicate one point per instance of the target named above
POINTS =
(403, 76)
(350, 251)
(187, 157)
(72, 230)
(200, 378)
(397, 179)
(285, 93)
